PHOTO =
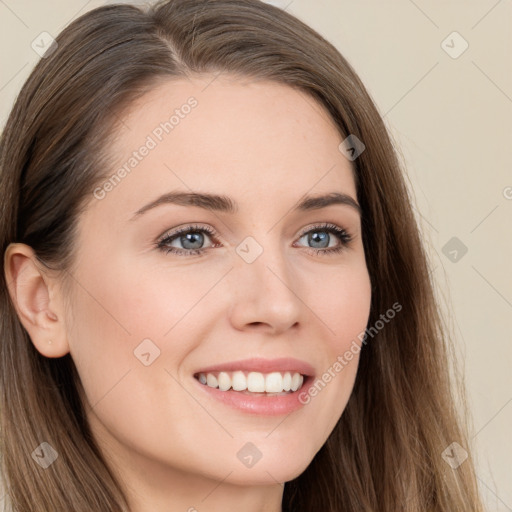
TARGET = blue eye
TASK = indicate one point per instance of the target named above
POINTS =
(192, 239)
(321, 236)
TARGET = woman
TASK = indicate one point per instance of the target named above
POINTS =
(216, 296)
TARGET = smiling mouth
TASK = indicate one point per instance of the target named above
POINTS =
(253, 383)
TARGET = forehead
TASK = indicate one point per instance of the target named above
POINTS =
(253, 140)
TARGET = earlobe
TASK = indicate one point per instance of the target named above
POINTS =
(35, 296)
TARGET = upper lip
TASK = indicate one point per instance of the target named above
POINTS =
(283, 364)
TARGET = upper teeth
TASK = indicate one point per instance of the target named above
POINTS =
(255, 382)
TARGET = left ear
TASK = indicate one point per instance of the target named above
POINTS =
(37, 301)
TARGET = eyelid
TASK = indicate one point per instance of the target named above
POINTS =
(320, 225)
(171, 233)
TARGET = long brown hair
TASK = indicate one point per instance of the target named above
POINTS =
(385, 453)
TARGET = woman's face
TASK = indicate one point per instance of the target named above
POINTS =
(259, 289)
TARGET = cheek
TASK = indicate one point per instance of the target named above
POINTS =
(122, 312)
(343, 306)
(341, 300)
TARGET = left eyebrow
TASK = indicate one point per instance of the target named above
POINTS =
(322, 201)
(220, 203)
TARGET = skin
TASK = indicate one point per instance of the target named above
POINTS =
(264, 145)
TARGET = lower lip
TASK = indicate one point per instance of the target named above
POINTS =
(259, 404)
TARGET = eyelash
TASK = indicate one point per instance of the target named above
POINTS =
(344, 236)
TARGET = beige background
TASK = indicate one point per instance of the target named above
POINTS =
(451, 118)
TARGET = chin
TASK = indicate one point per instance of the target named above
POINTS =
(283, 469)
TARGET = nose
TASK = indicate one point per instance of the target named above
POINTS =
(266, 294)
